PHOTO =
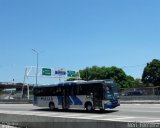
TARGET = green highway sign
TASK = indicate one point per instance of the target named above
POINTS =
(71, 73)
(46, 71)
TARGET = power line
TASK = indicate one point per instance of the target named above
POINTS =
(133, 66)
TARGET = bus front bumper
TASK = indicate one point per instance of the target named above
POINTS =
(111, 104)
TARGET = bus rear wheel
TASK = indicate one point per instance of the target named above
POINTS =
(51, 106)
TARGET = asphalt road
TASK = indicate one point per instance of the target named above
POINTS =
(124, 113)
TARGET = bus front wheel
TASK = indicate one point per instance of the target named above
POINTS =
(89, 107)
(51, 106)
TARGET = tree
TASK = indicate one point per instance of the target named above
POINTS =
(151, 73)
(130, 82)
(71, 79)
(101, 73)
(138, 83)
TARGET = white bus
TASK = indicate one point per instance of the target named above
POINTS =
(90, 95)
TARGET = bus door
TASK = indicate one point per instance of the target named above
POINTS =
(97, 97)
(65, 99)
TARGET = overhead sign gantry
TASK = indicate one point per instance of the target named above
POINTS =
(44, 72)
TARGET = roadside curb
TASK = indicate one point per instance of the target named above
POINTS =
(139, 102)
(16, 101)
(121, 102)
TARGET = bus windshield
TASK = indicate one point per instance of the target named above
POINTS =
(110, 91)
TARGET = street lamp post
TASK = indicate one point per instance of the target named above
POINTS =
(37, 53)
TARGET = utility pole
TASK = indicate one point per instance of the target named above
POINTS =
(37, 53)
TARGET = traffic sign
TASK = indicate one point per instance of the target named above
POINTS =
(71, 73)
(60, 72)
(46, 71)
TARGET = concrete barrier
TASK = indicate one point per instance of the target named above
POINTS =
(28, 121)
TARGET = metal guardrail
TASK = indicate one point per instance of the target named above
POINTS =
(15, 101)
(140, 98)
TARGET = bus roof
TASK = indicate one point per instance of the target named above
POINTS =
(68, 83)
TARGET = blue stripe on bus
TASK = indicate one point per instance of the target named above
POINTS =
(70, 101)
(76, 100)
(59, 100)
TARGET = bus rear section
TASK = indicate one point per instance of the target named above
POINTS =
(77, 95)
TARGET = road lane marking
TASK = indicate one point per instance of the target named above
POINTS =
(85, 116)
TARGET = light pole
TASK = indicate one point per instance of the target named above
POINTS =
(37, 53)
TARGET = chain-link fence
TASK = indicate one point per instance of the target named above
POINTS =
(143, 93)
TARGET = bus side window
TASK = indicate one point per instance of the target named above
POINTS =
(72, 90)
(76, 90)
(82, 89)
(58, 91)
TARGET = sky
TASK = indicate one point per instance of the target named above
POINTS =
(75, 34)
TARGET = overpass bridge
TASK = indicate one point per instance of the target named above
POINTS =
(17, 86)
